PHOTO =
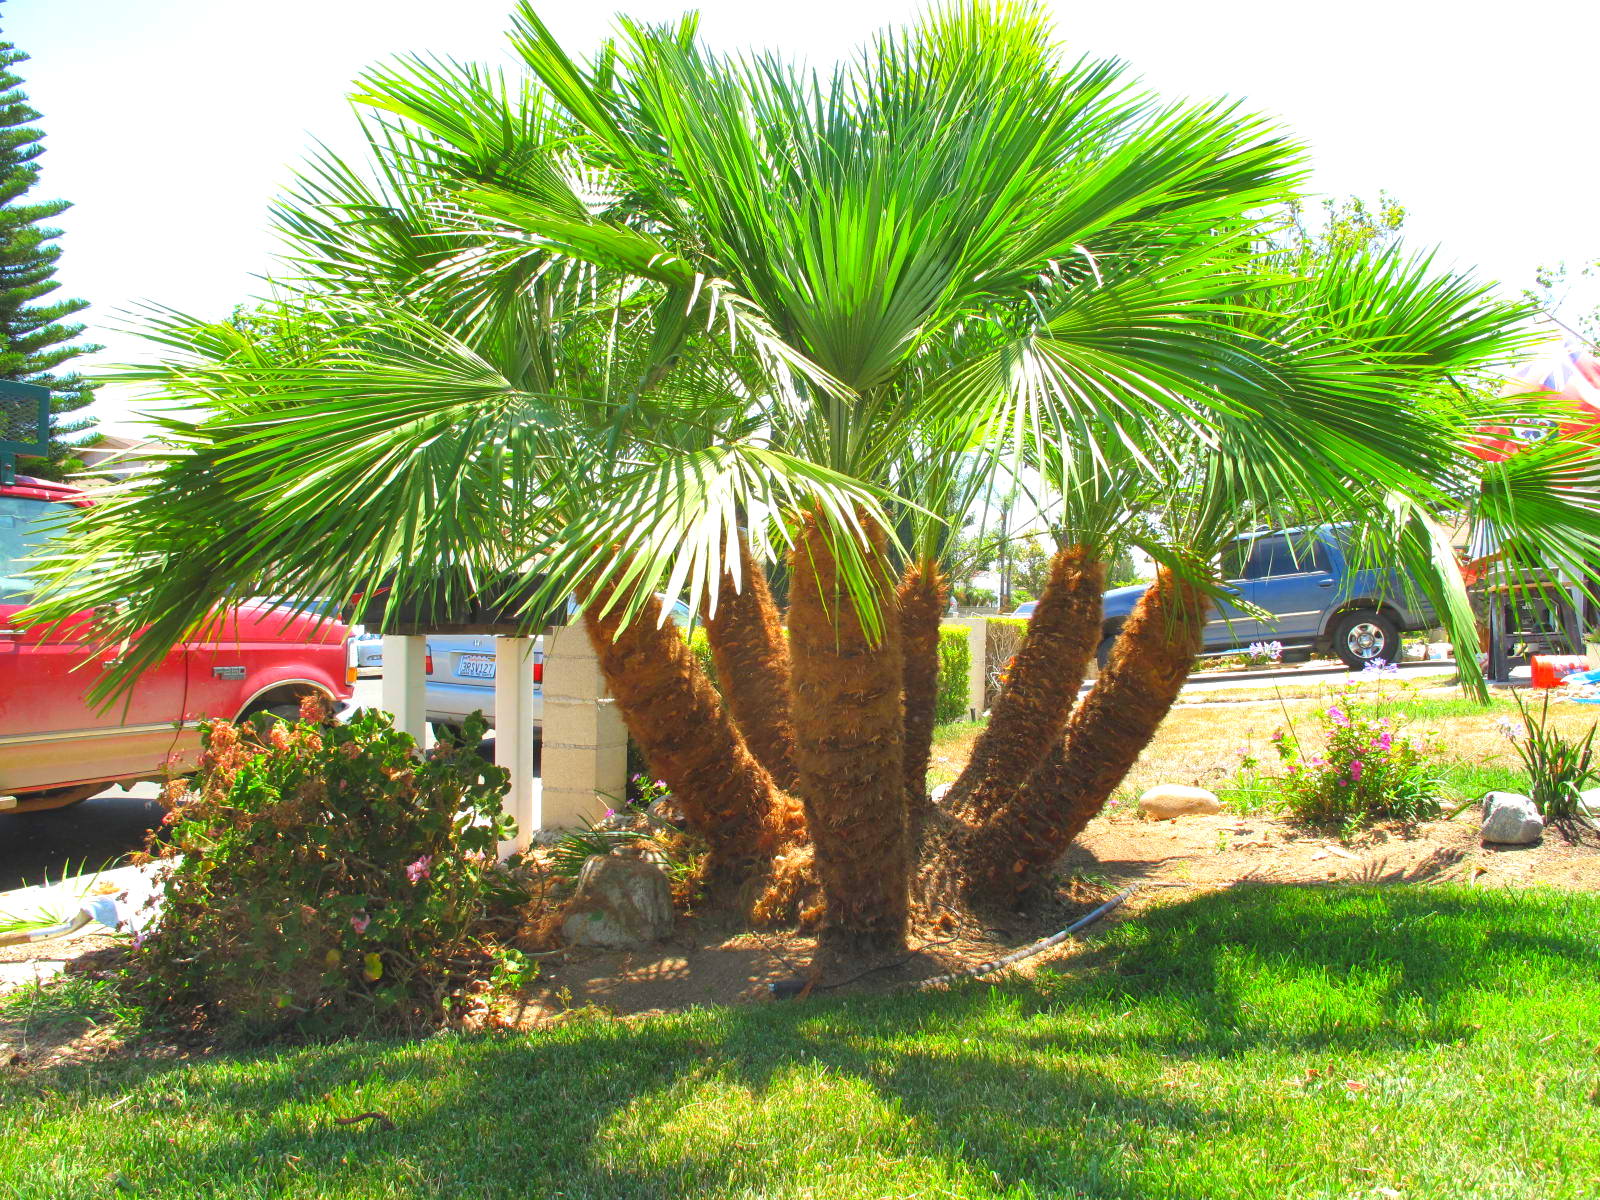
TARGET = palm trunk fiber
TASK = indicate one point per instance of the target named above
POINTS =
(849, 725)
(923, 594)
(752, 658)
(675, 716)
(1013, 849)
(1031, 711)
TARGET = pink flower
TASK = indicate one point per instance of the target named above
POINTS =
(421, 869)
(1336, 715)
(1355, 769)
(360, 921)
(1384, 741)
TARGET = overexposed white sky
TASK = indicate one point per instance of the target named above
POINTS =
(171, 123)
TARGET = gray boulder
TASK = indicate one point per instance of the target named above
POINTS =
(1510, 819)
(1169, 801)
(621, 904)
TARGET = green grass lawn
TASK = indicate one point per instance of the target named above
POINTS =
(1261, 1042)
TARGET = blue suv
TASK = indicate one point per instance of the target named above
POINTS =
(1317, 599)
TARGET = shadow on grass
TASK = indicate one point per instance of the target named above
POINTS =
(1055, 1087)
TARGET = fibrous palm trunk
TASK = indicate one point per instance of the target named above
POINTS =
(849, 726)
(675, 716)
(1042, 684)
(922, 594)
(1011, 851)
(752, 658)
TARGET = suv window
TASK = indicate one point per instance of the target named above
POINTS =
(24, 528)
(1278, 556)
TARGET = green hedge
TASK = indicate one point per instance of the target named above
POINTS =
(955, 660)
(701, 647)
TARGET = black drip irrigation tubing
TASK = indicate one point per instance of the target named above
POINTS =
(785, 989)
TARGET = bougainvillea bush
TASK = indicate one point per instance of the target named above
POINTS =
(314, 869)
(1366, 769)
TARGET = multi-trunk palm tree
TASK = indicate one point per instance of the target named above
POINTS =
(643, 322)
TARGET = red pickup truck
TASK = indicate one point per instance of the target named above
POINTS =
(56, 748)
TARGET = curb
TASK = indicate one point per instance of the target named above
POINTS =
(1304, 672)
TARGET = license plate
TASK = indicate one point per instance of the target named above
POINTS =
(475, 666)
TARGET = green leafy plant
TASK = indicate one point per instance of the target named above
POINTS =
(317, 869)
(1249, 789)
(1367, 770)
(577, 846)
(955, 664)
(513, 970)
(1559, 767)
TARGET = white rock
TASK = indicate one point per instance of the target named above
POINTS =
(621, 904)
(1510, 819)
(1169, 801)
(1493, 800)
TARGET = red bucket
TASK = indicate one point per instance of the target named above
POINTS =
(1551, 669)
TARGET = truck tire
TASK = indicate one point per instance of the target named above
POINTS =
(1364, 635)
(1103, 655)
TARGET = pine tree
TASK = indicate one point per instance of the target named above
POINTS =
(35, 339)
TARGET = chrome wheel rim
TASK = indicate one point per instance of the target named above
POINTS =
(1365, 640)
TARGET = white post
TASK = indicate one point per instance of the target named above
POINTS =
(404, 692)
(513, 735)
(585, 758)
(977, 665)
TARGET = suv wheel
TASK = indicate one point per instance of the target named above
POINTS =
(1362, 636)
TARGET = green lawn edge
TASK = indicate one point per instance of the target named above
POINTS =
(1258, 1042)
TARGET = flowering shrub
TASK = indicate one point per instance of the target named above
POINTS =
(313, 868)
(1259, 654)
(1367, 770)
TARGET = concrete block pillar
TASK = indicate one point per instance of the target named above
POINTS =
(514, 737)
(404, 692)
(585, 757)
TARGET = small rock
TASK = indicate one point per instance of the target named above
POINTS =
(1169, 801)
(939, 792)
(621, 904)
(1510, 819)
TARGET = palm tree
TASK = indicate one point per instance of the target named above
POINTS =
(936, 181)
(639, 324)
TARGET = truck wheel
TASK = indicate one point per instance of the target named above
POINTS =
(287, 713)
(1103, 654)
(54, 798)
(1364, 635)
